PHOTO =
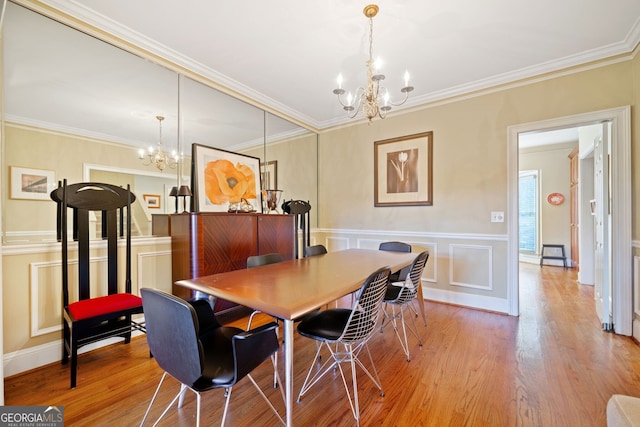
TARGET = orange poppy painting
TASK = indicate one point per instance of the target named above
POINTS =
(222, 177)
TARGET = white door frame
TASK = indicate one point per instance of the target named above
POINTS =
(621, 274)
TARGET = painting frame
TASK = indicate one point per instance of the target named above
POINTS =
(30, 183)
(269, 175)
(203, 155)
(403, 171)
(152, 201)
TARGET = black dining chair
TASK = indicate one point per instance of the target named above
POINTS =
(189, 345)
(345, 332)
(314, 250)
(399, 295)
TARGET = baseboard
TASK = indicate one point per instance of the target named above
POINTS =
(467, 300)
(35, 357)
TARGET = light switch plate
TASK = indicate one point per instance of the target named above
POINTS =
(497, 216)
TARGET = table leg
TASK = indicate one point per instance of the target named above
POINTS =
(288, 370)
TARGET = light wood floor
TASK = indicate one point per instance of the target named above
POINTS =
(552, 366)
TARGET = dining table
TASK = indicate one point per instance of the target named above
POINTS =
(290, 289)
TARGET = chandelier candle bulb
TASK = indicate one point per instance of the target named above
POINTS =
(406, 79)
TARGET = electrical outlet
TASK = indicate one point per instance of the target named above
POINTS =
(497, 216)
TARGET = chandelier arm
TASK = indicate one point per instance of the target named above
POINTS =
(406, 96)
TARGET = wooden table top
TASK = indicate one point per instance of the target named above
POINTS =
(290, 289)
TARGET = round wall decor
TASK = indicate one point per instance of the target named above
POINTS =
(555, 199)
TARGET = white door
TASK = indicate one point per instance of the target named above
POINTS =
(602, 212)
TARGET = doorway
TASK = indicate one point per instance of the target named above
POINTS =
(620, 207)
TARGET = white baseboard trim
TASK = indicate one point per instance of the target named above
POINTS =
(34, 357)
(499, 305)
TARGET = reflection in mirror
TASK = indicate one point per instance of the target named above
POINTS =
(289, 161)
(70, 100)
(79, 108)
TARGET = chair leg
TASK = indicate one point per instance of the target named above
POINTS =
(420, 300)
(400, 317)
(74, 360)
(146, 414)
(266, 399)
(183, 392)
(349, 354)
(227, 393)
(274, 357)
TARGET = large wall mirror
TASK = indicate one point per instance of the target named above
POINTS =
(79, 108)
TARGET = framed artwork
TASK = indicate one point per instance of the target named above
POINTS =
(220, 177)
(31, 184)
(152, 200)
(269, 175)
(403, 171)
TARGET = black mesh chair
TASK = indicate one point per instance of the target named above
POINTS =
(399, 296)
(345, 333)
(400, 276)
(188, 344)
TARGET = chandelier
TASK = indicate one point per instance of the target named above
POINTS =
(157, 156)
(372, 100)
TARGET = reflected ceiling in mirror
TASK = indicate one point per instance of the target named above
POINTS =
(58, 78)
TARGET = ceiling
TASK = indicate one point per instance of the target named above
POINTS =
(286, 54)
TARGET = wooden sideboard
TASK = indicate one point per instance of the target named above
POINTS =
(204, 243)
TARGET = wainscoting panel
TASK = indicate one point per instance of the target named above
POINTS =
(337, 243)
(46, 291)
(154, 271)
(470, 266)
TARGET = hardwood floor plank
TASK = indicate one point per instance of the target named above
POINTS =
(551, 366)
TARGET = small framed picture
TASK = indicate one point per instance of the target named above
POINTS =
(31, 184)
(152, 200)
(403, 171)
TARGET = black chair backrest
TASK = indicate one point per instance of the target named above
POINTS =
(367, 307)
(395, 247)
(114, 202)
(172, 334)
(258, 260)
(314, 250)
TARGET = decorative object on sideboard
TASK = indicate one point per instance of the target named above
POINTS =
(174, 193)
(373, 99)
(184, 192)
(243, 206)
(157, 156)
(271, 200)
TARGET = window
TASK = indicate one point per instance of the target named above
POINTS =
(528, 211)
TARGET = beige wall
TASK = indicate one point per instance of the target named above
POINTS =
(469, 176)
